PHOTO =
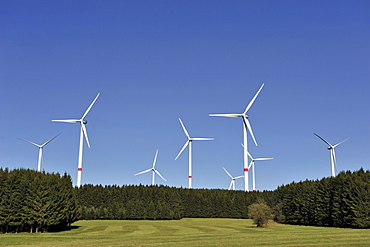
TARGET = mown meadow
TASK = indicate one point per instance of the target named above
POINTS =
(189, 232)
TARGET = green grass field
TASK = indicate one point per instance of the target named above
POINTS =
(190, 232)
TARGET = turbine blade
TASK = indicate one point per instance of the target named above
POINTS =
(323, 139)
(250, 164)
(85, 134)
(334, 158)
(186, 144)
(239, 177)
(155, 158)
(231, 183)
(264, 159)
(67, 121)
(88, 109)
(183, 127)
(143, 172)
(37, 145)
(340, 143)
(335, 165)
(227, 173)
(51, 139)
(254, 98)
(159, 174)
(249, 128)
(202, 139)
(250, 156)
(225, 115)
(42, 160)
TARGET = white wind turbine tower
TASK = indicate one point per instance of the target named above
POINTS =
(189, 142)
(332, 153)
(246, 125)
(154, 171)
(253, 169)
(232, 183)
(40, 150)
(83, 132)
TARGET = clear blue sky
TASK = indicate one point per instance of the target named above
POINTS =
(156, 61)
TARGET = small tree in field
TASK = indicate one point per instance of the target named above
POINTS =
(260, 213)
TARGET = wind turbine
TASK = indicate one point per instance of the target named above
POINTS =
(246, 125)
(154, 171)
(251, 164)
(332, 153)
(40, 150)
(189, 142)
(83, 132)
(232, 183)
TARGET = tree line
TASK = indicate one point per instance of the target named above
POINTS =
(32, 201)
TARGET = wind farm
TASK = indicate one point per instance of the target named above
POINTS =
(134, 77)
(250, 166)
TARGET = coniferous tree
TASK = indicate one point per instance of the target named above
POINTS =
(34, 201)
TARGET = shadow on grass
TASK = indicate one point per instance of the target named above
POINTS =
(65, 229)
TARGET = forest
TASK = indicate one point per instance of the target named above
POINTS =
(32, 201)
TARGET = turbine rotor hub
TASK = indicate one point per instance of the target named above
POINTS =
(84, 121)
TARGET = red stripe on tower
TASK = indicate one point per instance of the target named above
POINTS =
(79, 169)
(190, 177)
(246, 169)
